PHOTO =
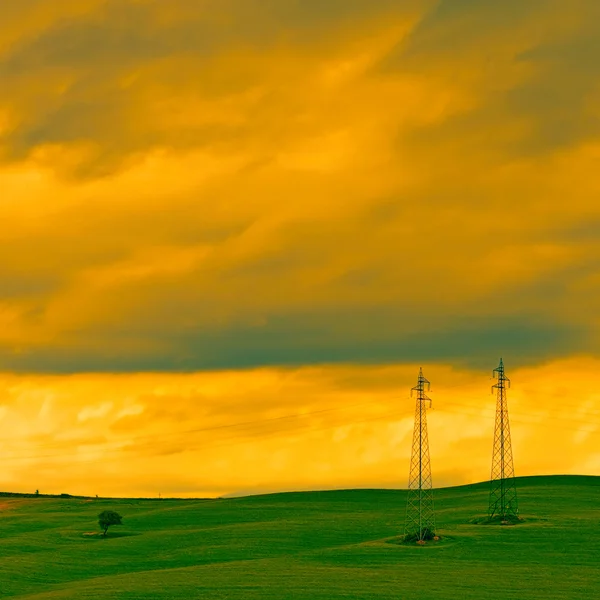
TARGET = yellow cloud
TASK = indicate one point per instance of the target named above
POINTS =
(216, 433)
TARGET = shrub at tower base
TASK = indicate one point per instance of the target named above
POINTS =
(426, 536)
(502, 520)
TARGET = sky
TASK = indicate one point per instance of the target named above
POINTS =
(234, 230)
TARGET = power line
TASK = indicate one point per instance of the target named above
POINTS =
(151, 436)
(126, 445)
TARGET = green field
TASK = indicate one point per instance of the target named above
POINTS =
(313, 545)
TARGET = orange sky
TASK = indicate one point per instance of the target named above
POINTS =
(220, 216)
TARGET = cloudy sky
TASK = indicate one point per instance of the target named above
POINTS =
(233, 230)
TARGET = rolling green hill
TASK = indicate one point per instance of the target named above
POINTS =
(305, 545)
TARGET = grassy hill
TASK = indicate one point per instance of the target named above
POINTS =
(305, 545)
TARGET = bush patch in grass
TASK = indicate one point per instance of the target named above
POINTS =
(497, 520)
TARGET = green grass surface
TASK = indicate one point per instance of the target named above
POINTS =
(314, 545)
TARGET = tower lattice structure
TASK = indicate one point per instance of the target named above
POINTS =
(420, 517)
(503, 491)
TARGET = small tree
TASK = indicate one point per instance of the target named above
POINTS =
(107, 518)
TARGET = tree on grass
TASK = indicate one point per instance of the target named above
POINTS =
(107, 518)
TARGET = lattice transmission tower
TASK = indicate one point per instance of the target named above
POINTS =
(503, 491)
(420, 519)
